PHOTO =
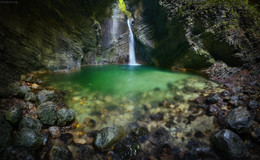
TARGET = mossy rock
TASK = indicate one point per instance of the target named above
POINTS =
(107, 137)
(31, 123)
(47, 113)
(28, 138)
(65, 116)
(14, 115)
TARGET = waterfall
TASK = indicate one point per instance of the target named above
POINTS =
(132, 60)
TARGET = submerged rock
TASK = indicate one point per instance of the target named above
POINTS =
(127, 148)
(47, 113)
(44, 96)
(160, 136)
(225, 93)
(229, 145)
(157, 117)
(31, 123)
(233, 101)
(240, 120)
(5, 133)
(141, 133)
(60, 153)
(65, 116)
(212, 99)
(30, 97)
(14, 115)
(28, 138)
(108, 136)
(253, 104)
(90, 122)
(212, 110)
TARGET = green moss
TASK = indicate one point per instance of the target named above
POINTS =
(123, 9)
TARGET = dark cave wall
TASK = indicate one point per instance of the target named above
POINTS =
(204, 35)
(53, 35)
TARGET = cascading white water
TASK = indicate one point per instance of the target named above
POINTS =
(132, 60)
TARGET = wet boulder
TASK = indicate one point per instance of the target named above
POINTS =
(14, 115)
(31, 123)
(157, 117)
(253, 104)
(47, 113)
(225, 93)
(141, 133)
(29, 97)
(28, 138)
(44, 96)
(255, 133)
(90, 122)
(60, 153)
(65, 116)
(5, 133)
(127, 148)
(239, 120)
(212, 99)
(212, 110)
(160, 136)
(107, 137)
(230, 145)
(233, 101)
(18, 91)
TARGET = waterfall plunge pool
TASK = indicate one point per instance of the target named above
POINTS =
(135, 95)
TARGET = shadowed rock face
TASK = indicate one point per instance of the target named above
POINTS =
(197, 34)
(49, 35)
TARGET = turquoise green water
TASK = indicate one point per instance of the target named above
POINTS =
(116, 80)
(116, 95)
(125, 95)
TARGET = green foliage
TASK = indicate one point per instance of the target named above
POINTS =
(122, 7)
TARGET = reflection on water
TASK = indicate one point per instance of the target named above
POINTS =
(124, 95)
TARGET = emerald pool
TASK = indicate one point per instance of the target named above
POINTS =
(125, 95)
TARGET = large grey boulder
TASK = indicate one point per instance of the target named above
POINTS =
(47, 113)
(229, 145)
(18, 91)
(28, 138)
(31, 123)
(239, 120)
(29, 97)
(65, 116)
(14, 115)
(44, 96)
(107, 137)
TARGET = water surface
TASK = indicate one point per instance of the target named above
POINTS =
(125, 95)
